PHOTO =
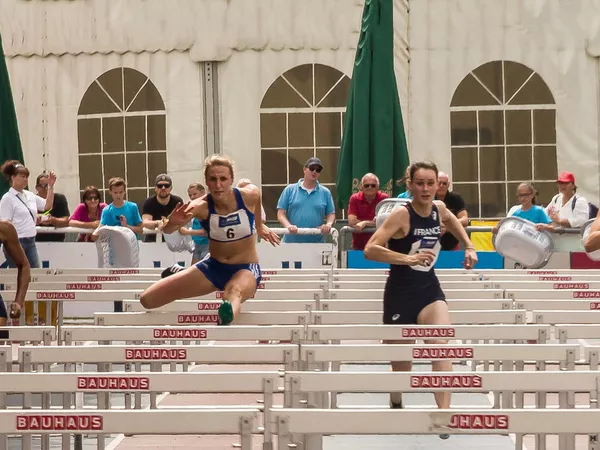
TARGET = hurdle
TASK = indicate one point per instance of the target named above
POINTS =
(104, 384)
(309, 305)
(315, 423)
(103, 356)
(565, 317)
(453, 305)
(314, 356)
(460, 284)
(181, 318)
(462, 317)
(553, 305)
(490, 333)
(143, 285)
(348, 294)
(160, 334)
(554, 294)
(213, 305)
(580, 331)
(227, 421)
(35, 335)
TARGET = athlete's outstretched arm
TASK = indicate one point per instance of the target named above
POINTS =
(456, 228)
(592, 241)
(376, 249)
(261, 228)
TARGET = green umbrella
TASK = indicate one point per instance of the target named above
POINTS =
(374, 139)
(10, 142)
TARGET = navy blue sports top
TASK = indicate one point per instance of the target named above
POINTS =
(424, 234)
(229, 227)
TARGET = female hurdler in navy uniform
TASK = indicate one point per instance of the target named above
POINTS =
(231, 217)
(409, 241)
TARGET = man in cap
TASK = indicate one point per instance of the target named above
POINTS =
(567, 209)
(306, 204)
(159, 206)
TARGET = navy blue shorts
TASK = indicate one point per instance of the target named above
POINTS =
(219, 273)
(3, 312)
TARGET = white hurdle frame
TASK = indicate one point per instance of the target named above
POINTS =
(189, 333)
(249, 382)
(512, 316)
(234, 421)
(300, 385)
(318, 422)
(158, 318)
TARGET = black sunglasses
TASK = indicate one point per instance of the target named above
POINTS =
(369, 185)
(317, 169)
(163, 186)
(93, 197)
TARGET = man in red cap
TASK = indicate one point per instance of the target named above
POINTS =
(567, 209)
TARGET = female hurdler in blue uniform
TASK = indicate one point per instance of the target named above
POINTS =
(231, 217)
(409, 241)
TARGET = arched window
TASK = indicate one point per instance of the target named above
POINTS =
(122, 133)
(502, 118)
(302, 115)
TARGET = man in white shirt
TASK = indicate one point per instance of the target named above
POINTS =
(567, 209)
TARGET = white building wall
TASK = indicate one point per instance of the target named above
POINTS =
(449, 38)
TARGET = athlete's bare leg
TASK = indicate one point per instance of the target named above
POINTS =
(399, 366)
(185, 284)
(436, 313)
(240, 288)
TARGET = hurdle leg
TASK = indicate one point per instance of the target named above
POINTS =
(4, 367)
(26, 439)
(67, 403)
(267, 404)
(284, 441)
(540, 438)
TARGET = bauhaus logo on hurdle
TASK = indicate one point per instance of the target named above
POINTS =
(268, 272)
(479, 421)
(586, 294)
(59, 422)
(555, 278)
(103, 278)
(595, 305)
(198, 318)
(542, 272)
(571, 286)
(445, 381)
(208, 306)
(155, 353)
(123, 271)
(114, 383)
(442, 353)
(421, 332)
(84, 286)
(55, 295)
(181, 333)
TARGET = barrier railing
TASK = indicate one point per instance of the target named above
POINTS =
(346, 231)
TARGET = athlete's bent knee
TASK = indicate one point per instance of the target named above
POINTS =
(232, 291)
(146, 300)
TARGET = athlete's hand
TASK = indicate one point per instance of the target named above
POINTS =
(293, 229)
(15, 310)
(268, 235)
(470, 258)
(424, 258)
(181, 215)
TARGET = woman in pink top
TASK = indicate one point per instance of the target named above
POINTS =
(88, 212)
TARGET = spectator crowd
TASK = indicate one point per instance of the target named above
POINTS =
(302, 205)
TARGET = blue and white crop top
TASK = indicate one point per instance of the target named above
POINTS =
(230, 227)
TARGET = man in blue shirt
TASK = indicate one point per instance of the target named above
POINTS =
(121, 212)
(306, 204)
